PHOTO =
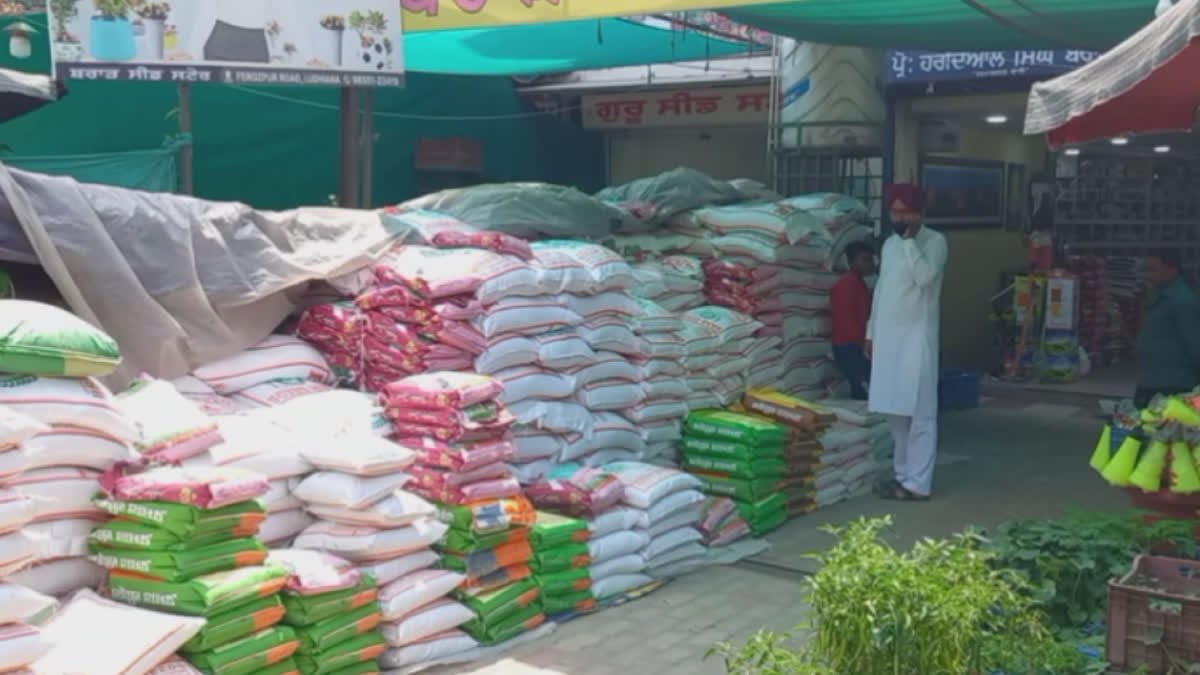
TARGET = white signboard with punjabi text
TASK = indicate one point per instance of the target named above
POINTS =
(323, 42)
(726, 106)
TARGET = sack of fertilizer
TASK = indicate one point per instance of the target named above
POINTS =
(429, 228)
(173, 428)
(41, 339)
(576, 490)
(279, 357)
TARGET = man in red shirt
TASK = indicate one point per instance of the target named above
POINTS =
(850, 300)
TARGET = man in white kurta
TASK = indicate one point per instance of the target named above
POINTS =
(903, 340)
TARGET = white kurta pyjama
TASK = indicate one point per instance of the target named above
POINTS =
(903, 330)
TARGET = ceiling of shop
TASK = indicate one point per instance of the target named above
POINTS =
(972, 111)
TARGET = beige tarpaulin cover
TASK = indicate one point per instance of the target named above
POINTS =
(180, 281)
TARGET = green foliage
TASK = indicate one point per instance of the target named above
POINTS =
(113, 9)
(1068, 562)
(942, 608)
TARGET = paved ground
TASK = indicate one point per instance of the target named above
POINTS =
(1008, 459)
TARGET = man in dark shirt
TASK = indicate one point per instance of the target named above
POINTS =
(850, 301)
(1168, 348)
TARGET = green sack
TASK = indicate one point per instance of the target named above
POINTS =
(764, 467)
(347, 654)
(730, 426)
(209, 595)
(768, 523)
(767, 507)
(186, 521)
(552, 530)
(131, 536)
(566, 557)
(236, 624)
(305, 610)
(41, 339)
(491, 515)
(513, 625)
(183, 565)
(364, 668)
(565, 582)
(496, 604)
(714, 447)
(465, 541)
(582, 601)
(251, 654)
(738, 488)
(325, 634)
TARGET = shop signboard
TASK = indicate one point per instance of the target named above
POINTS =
(677, 108)
(322, 42)
(905, 65)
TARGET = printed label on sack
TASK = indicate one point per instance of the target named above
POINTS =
(136, 597)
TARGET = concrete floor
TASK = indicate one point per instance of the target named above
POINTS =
(1013, 458)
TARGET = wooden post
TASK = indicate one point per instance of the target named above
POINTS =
(186, 153)
(348, 181)
(368, 150)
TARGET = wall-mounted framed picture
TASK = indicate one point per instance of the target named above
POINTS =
(964, 193)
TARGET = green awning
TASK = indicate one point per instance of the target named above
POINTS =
(954, 24)
(556, 47)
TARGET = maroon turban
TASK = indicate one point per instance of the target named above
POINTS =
(906, 193)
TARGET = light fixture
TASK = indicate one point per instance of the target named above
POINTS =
(19, 45)
(1071, 152)
(996, 119)
(1162, 149)
(1120, 140)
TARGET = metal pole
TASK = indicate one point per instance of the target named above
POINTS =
(368, 150)
(186, 153)
(348, 179)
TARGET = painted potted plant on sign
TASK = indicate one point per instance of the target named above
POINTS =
(375, 48)
(289, 51)
(111, 34)
(329, 41)
(66, 44)
(273, 31)
(154, 17)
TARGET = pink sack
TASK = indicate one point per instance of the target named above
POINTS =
(436, 391)
(437, 477)
(576, 490)
(460, 456)
(493, 241)
(203, 487)
(501, 488)
(390, 293)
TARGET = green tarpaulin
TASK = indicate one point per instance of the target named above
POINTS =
(954, 24)
(556, 47)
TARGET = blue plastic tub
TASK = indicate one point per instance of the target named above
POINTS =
(959, 389)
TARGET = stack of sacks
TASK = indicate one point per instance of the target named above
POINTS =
(560, 564)
(855, 413)
(423, 309)
(334, 610)
(59, 429)
(182, 540)
(660, 416)
(847, 467)
(255, 442)
(337, 330)
(718, 342)
(488, 546)
(721, 522)
(806, 422)
(788, 247)
(22, 611)
(669, 506)
(447, 414)
(741, 457)
(675, 282)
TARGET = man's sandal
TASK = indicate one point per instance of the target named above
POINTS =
(899, 493)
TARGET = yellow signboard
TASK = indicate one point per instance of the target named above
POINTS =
(425, 15)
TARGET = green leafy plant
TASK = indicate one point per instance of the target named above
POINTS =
(113, 9)
(64, 11)
(1068, 562)
(942, 608)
